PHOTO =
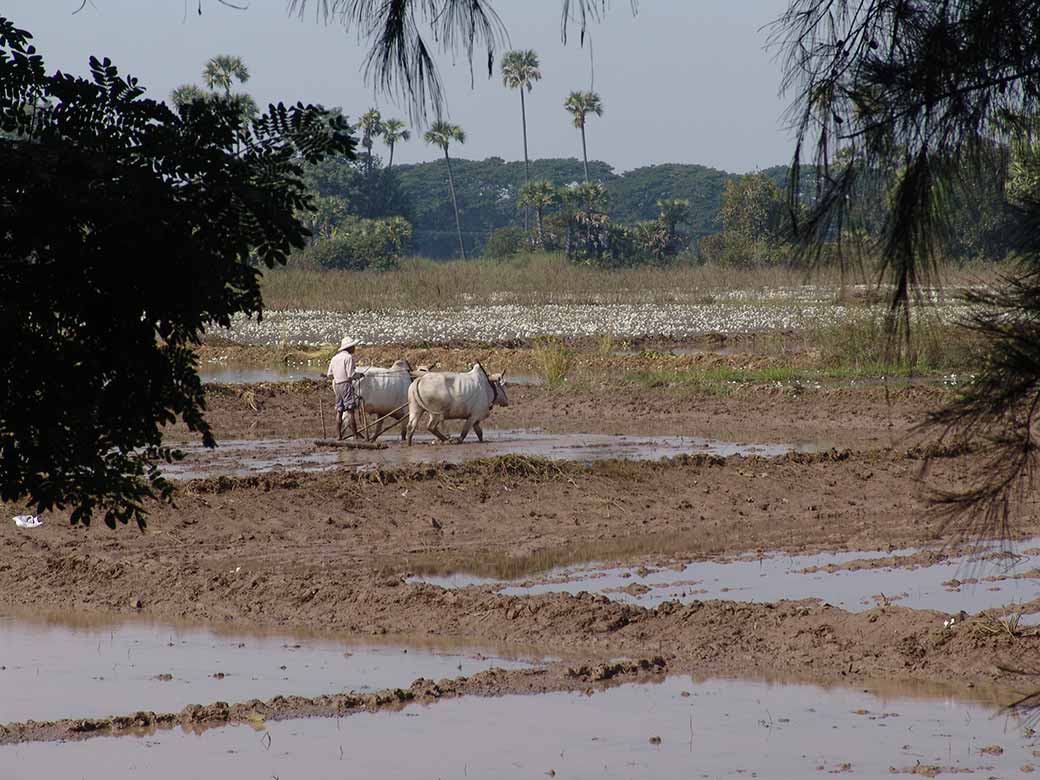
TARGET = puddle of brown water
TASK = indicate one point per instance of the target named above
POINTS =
(242, 457)
(676, 729)
(53, 670)
(776, 577)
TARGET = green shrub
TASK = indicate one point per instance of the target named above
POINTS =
(733, 250)
(359, 244)
(505, 242)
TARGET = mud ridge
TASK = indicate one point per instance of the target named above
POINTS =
(539, 469)
(198, 718)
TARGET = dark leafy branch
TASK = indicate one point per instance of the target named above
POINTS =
(127, 230)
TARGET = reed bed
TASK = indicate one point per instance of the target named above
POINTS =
(544, 278)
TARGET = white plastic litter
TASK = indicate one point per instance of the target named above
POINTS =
(27, 521)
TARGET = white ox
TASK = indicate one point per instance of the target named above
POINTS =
(455, 396)
(385, 392)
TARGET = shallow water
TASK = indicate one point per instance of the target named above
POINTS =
(776, 577)
(53, 671)
(251, 373)
(721, 728)
(243, 374)
(242, 457)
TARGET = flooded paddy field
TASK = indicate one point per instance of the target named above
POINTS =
(96, 668)
(778, 531)
(678, 728)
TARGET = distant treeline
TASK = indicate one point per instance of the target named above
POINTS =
(487, 192)
(375, 215)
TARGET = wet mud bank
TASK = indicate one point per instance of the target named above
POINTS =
(245, 457)
(965, 578)
(196, 718)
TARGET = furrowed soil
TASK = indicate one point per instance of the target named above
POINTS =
(329, 552)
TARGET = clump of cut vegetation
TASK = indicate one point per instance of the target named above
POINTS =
(1008, 625)
(530, 467)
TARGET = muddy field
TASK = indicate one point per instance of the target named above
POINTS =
(785, 535)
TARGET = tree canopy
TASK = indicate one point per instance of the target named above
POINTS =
(128, 229)
(219, 74)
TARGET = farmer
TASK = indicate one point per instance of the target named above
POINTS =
(341, 369)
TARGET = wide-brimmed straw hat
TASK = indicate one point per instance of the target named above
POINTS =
(347, 343)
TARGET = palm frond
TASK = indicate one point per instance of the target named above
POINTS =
(400, 61)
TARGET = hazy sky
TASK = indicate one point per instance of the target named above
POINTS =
(681, 81)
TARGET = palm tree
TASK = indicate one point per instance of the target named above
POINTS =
(220, 72)
(371, 125)
(581, 104)
(186, 94)
(394, 130)
(224, 69)
(520, 71)
(441, 134)
(539, 195)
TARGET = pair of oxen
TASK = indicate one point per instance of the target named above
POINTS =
(392, 393)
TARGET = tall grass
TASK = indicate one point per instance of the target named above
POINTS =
(543, 278)
(554, 359)
(529, 279)
(863, 344)
(858, 348)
